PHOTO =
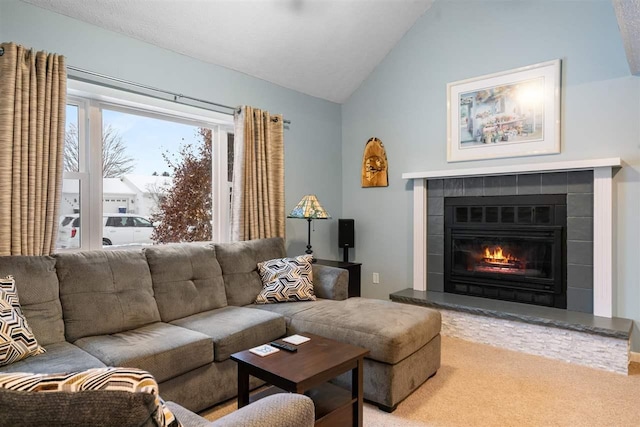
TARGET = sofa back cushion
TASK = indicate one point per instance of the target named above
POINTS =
(38, 290)
(187, 280)
(105, 292)
(239, 262)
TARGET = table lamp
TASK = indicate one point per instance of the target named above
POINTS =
(309, 208)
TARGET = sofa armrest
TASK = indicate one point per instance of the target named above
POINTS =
(277, 410)
(330, 282)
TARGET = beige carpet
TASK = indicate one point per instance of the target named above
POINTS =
(479, 385)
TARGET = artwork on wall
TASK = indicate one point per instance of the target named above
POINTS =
(507, 114)
(374, 164)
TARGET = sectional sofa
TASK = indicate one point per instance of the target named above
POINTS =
(180, 311)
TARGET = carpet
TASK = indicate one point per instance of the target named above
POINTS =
(480, 385)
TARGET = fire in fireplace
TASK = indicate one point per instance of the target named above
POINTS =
(494, 259)
(509, 248)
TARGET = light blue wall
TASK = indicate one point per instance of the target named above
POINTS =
(403, 103)
(312, 143)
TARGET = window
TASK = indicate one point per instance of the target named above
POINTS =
(138, 170)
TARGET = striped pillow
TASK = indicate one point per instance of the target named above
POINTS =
(104, 379)
(17, 342)
(286, 279)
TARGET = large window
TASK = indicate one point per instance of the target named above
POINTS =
(139, 171)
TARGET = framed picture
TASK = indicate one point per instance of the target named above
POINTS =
(508, 114)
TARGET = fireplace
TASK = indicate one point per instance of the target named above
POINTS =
(507, 247)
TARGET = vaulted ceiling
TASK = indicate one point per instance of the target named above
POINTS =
(323, 48)
(628, 14)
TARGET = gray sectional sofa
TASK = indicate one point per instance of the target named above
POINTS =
(180, 311)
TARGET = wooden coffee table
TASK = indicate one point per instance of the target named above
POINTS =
(308, 371)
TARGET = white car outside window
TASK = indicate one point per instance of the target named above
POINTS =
(126, 229)
(118, 229)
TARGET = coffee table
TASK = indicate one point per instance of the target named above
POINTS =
(308, 371)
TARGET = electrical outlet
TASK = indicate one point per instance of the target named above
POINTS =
(376, 278)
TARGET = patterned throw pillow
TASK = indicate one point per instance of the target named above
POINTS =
(103, 379)
(17, 342)
(286, 279)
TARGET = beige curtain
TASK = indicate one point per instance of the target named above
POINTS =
(33, 88)
(258, 176)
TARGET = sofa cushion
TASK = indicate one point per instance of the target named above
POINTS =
(239, 262)
(60, 357)
(235, 328)
(72, 392)
(187, 279)
(288, 309)
(391, 331)
(164, 350)
(286, 279)
(17, 341)
(105, 292)
(37, 285)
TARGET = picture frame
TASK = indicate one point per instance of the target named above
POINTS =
(507, 114)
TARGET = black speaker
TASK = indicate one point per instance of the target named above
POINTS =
(346, 233)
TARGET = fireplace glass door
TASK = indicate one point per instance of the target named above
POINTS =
(502, 257)
(507, 247)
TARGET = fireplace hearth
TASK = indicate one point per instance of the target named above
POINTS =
(507, 247)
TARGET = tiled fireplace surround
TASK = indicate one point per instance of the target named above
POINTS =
(576, 337)
(577, 185)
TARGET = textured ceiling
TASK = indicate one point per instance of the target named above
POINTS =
(324, 48)
(628, 14)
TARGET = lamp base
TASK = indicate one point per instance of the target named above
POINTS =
(310, 252)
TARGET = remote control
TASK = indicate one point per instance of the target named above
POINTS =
(285, 347)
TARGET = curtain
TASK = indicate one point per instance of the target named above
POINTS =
(258, 176)
(33, 88)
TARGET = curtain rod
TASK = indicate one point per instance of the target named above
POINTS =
(176, 96)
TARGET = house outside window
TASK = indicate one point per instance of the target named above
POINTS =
(131, 156)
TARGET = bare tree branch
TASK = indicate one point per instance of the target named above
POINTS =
(71, 151)
(115, 161)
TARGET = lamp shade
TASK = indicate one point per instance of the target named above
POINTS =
(310, 208)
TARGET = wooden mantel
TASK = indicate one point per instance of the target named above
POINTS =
(603, 171)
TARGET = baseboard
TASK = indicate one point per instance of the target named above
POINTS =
(634, 357)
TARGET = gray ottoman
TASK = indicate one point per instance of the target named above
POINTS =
(404, 341)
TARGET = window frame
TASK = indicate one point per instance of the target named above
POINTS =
(91, 99)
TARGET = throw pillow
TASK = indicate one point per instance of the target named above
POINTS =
(75, 388)
(286, 279)
(17, 341)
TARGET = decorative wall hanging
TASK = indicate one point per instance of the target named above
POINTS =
(507, 114)
(374, 164)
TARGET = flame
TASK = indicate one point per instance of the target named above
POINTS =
(497, 256)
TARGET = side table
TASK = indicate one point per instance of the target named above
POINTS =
(354, 273)
(308, 371)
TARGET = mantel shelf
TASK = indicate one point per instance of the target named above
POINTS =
(613, 162)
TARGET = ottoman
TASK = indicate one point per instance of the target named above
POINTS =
(404, 343)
